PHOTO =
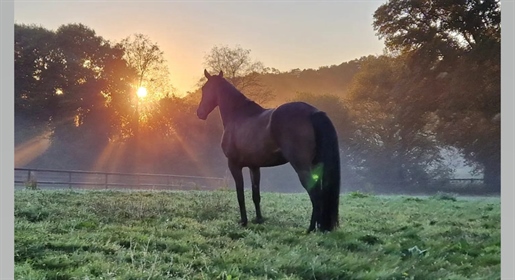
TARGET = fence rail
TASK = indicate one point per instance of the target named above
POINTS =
(53, 178)
(470, 180)
(79, 179)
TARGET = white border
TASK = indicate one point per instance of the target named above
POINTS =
(507, 140)
(7, 139)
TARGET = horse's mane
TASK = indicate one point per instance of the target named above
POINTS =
(238, 99)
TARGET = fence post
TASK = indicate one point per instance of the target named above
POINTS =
(70, 180)
(106, 180)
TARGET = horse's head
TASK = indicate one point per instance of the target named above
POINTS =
(209, 94)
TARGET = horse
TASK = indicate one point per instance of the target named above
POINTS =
(294, 132)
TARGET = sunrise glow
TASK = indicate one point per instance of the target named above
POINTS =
(142, 92)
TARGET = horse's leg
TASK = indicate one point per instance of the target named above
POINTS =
(307, 182)
(238, 180)
(312, 223)
(255, 175)
(299, 148)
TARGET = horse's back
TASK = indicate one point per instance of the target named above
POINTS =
(292, 116)
(272, 137)
(295, 109)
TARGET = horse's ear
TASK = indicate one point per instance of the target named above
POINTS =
(208, 76)
(221, 74)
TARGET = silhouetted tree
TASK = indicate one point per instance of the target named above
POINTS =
(79, 79)
(239, 69)
(147, 59)
(393, 146)
(36, 80)
(453, 49)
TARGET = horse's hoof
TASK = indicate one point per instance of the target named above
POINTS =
(243, 223)
(258, 220)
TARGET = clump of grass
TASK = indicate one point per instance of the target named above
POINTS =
(415, 199)
(212, 206)
(358, 194)
(32, 213)
(370, 239)
(445, 196)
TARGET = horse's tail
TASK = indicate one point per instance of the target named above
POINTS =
(327, 162)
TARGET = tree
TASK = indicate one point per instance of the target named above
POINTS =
(35, 80)
(93, 76)
(392, 145)
(437, 32)
(455, 47)
(240, 70)
(147, 59)
(76, 81)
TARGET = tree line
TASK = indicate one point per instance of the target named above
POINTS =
(436, 89)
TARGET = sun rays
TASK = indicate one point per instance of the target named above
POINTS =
(155, 147)
(145, 156)
(110, 159)
(31, 149)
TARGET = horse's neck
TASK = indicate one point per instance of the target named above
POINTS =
(237, 107)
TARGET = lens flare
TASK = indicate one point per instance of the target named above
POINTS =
(142, 92)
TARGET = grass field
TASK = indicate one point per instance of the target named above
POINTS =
(194, 235)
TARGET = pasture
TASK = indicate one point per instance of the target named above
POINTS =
(194, 235)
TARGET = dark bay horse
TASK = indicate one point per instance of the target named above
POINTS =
(295, 132)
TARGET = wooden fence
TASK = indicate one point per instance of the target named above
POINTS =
(78, 179)
(52, 178)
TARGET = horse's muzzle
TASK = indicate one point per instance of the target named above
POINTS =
(201, 115)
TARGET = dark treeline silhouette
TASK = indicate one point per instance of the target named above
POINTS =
(437, 88)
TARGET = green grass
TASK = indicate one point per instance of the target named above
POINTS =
(195, 235)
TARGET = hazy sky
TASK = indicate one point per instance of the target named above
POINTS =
(281, 34)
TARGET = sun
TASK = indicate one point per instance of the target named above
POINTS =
(142, 92)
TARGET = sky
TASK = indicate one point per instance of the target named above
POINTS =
(281, 34)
